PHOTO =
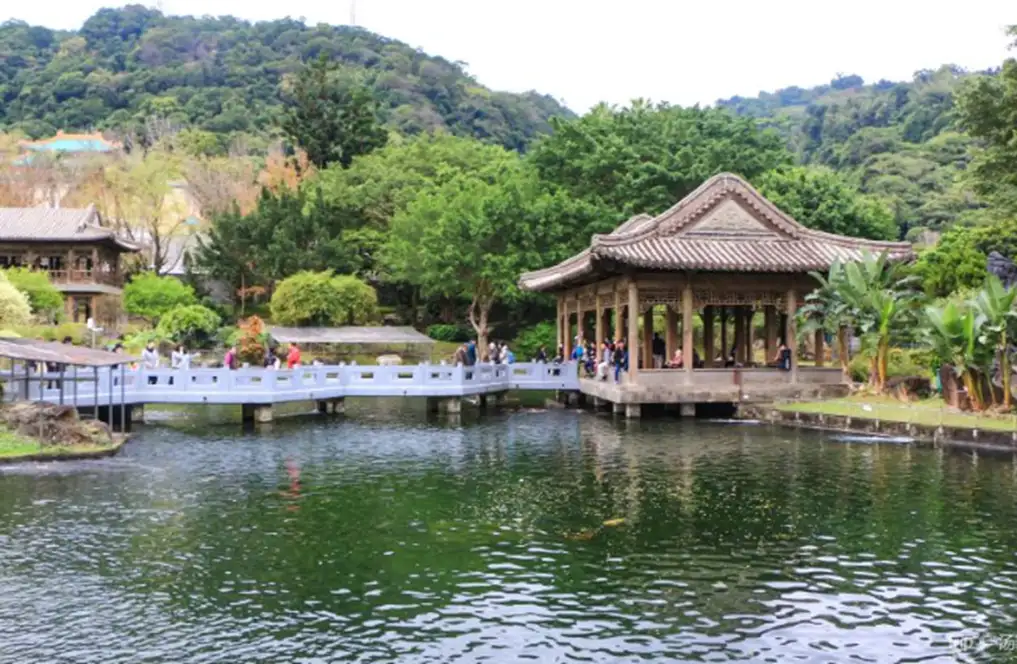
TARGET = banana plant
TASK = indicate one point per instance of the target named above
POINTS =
(954, 332)
(825, 309)
(995, 303)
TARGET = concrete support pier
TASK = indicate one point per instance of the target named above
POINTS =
(687, 409)
(331, 406)
(257, 413)
(633, 411)
(617, 408)
(451, 405)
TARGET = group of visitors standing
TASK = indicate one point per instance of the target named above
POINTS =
(468, 354)
(612, 358)
(180, 357)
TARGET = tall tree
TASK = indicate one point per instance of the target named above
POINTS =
(469, 238)
(644, 158)
(330, 117)
(821, 199)
(988, 108)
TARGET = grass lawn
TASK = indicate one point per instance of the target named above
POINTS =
(930, 412)
(14, 446)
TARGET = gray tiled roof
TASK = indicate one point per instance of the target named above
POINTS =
(726, 226)
(56, 224)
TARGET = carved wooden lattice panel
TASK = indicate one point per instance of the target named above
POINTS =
(702, 298)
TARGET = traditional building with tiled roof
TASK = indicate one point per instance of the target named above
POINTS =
(724, 253)
(79, 253)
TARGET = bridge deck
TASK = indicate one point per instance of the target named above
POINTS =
(267, 386)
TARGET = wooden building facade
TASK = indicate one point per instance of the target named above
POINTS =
(81, 257)
(722, 255)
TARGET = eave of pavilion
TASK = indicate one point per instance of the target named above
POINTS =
(725, 227)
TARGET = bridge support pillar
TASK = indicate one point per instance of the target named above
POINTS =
(339, 406)
(687, 409)
(137, 413)
(257, 413)
(451, 405)
(331, 406)
(617, 408)
(633, 411)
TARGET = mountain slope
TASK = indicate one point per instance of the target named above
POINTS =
(224, 74)
(898, 141)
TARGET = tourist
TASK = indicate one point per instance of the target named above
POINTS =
(590, 360)
(541, 355)
(606, 352)
(677, 360)
(471, 352)
(783, 357)
(230, 361)
(459, 357)
(180, 358)
(560, 356)
(620, 359)
(271, 360)
(150, 360)
(492, 352)
(293, 357)
(509, 356)
(659, 351)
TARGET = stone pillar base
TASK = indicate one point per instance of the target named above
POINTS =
(257, 413)
(633, 410)
(687, 409)
(617, 408)
(444, 404)
(339, 406)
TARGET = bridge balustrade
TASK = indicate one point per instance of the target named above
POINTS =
(265, 386)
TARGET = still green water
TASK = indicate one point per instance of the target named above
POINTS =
(388, 537)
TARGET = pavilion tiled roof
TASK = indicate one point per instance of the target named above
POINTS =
(57, 225)
(723, 226)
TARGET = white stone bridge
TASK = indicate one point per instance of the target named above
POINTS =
(258, 389)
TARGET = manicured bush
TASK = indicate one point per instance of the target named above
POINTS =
(193, 325)
(252, 341)
(150, 296)
(531, 339)
(323, 299)
(14, 307)
(46, 301)
(453, 333)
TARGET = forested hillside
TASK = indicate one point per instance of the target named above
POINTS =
(898, 141)
(224, 75)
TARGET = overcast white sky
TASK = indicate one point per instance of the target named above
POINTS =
(681, 51)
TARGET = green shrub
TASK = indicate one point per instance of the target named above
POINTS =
(531, 339)
(322, 299)
(14, 307)
(453, 333)
(902, 362)
(150, 296)
(193, 325)
(45, 300)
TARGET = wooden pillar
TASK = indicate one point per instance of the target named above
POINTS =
(723, 335)
(672, 333)
(687, 330)
(598, 324)
(648, 338)
(750, 354)
(739, 334)
(633, 340)
(820, 360)
(566, 328)
(580, 332)
(617, 315)
(560, 343)
(69, 308)
(770, 325)
(708, 337)
(790, 339)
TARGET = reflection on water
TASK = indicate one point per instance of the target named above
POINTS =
(387, 537)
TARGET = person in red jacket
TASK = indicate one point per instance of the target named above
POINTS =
(293, 357)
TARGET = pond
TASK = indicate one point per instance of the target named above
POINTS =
(388, 536)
